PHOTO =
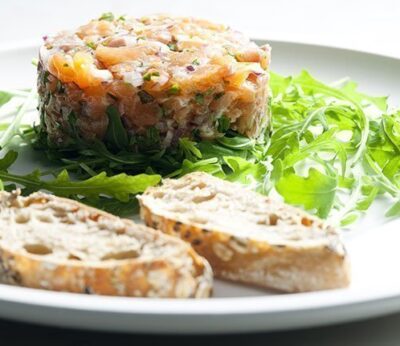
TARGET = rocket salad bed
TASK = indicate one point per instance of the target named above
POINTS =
(330, 149)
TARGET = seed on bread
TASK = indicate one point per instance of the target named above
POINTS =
(246, 236)
(58, 244)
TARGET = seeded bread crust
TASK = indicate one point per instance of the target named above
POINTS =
(292, 252)
(147, 271)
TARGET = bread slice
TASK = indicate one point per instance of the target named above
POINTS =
(246, 236)
(58, 244)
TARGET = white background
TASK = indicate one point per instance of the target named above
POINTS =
(372, 26)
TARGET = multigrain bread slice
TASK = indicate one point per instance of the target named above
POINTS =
(58, 244)
(246, 236)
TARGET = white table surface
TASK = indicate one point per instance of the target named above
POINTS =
(372, 26)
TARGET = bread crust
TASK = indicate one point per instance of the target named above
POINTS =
(188, 276)
(283, 267)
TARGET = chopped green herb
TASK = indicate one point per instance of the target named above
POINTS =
(175, 89)
(209, 92)
(149, 75)
(109, 16)
(172, 46)
(199, 99)
(91, 45)
(196, 62)
(223, 123)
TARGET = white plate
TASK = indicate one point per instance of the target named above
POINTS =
(373, 245)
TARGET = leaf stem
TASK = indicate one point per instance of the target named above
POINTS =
(13, 129)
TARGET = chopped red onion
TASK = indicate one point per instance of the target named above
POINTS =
(190, 68)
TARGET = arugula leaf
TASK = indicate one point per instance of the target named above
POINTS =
(189, 149)
(14, 127)
(210, 166)
(120, 186)
(316, 191)
(391, 128)
(116, 134)
(349, 219)
(366, 202)
(245, 172)
(308, 83)
(394, 210)
(278, 83)
(9, 158)
(5, 97)
(113, 206)
(223, 124)
(210, 150)
(238, 142)
(350, 88)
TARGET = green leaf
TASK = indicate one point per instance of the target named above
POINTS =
(350, 89)
(189, 149)
(175, 89)
(316, 191)
(210, 166)
(5, 97)
(210, 150)
(199, 99)
(394, 210)
(349, 219)
(9, 158)
(116, 133)
(366, 202)
(238, 142)
(391, 127)
(278, 83)
(109, 16)
(120, 186)
(243, 171)
(223, 124)
(113, 206)
(147, 77)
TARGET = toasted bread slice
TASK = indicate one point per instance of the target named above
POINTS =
(58, 244)
(246, 236)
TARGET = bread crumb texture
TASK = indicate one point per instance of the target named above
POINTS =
(58, 244)
(246, 236)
